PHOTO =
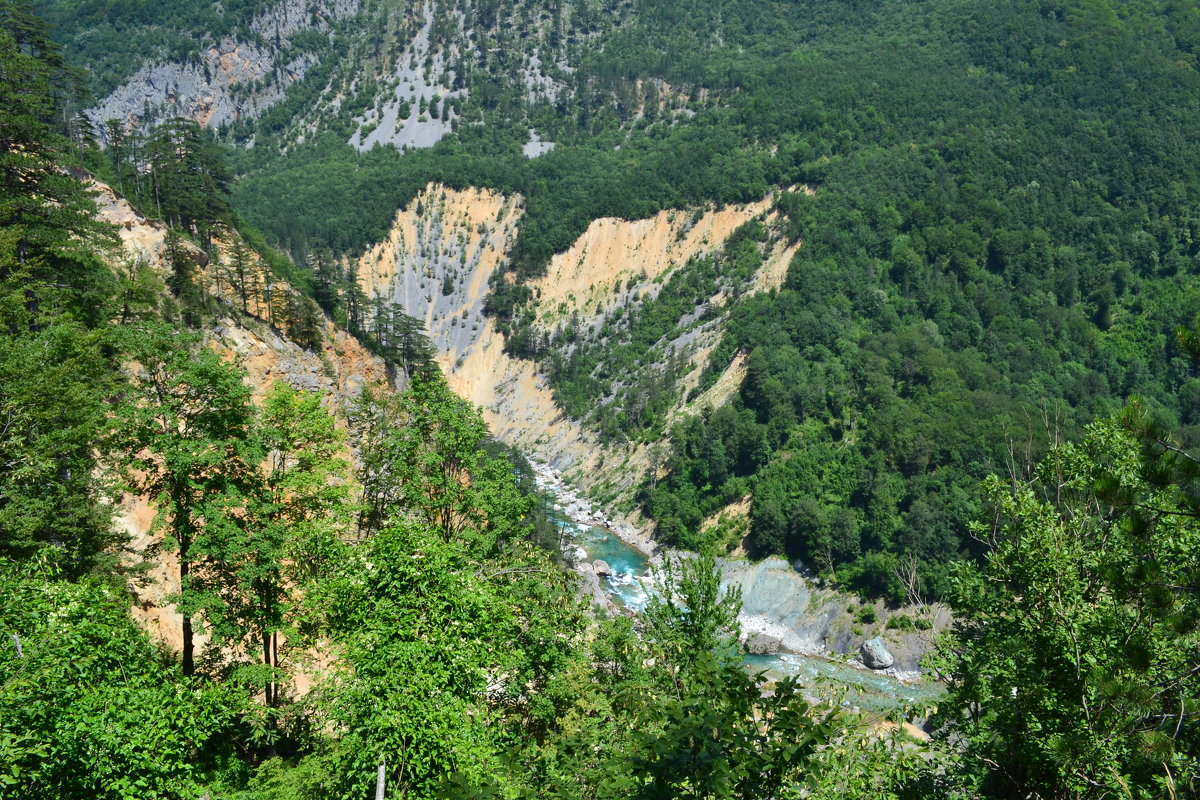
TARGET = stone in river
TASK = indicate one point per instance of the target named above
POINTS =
(762, 644)
(875, 654)
(602, 568)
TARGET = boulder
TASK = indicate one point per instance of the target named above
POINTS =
(762, 644)
(602, 568)
(875, 654)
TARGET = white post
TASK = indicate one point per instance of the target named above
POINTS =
(379, 780)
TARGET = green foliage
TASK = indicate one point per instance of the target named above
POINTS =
(664, 708)
(866, 615)
(962, 271)
(452, 626)
(422, 459)
(186, 432)
(284, 535)
(952, 286)
(52, 493)
(89, 709)
(1003, 230)
(55, 365)
(48, 260)
(188, 178)
(1073, 655)
(431, 645)
(115, 38)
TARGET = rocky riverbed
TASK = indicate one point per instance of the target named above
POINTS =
(582, 513)
(786, 618)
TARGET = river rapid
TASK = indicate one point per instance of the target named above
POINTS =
(589, 535)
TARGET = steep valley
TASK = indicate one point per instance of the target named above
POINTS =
(436, 264)
(339, 370)
(445, 247)
(410, 325)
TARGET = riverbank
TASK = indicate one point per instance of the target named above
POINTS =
(791, 619)
(576, 508)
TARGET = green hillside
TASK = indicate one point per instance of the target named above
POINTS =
(1000, 247)
(978, 384)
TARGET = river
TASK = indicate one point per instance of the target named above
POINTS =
(629, 587)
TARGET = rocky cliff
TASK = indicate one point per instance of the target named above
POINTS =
(444, 247)
(340, 368)
(234, 78)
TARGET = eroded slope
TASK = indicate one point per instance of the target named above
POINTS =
(444, 247)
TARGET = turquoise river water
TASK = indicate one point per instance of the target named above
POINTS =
(821, 677)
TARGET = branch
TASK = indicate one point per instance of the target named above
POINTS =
(1177, 450)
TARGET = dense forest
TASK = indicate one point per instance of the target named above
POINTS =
(999, 252)
(1000, 245)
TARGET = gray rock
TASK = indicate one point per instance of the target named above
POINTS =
(602, 568)
(875, 654)
(762, 644)
(229, 80)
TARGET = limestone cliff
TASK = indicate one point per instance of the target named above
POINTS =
(234, 78)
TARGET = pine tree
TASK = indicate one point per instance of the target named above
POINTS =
(48, 263)
(183, 279)
(189, 178)
(241, 272)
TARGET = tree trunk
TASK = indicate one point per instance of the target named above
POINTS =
(269, 686)
(189, 666)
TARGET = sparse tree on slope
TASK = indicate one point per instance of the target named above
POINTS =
(187, 432)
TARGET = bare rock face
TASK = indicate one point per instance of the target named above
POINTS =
(232, 79)
(875, 654)
(339, 369)
(436, 263)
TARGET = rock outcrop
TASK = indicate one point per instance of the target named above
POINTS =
(445, 246)
(233, 78)
(762, 644)
(875, 654)
(339, 369)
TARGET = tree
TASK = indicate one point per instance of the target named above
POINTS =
(183, 277)
(453, 627)
(714, 734)
(48, 263)
(241, 272)
(422, 458)
(305, 322)
(1073, 661)
(53, 492)
(55, 365)
(327, 279)
(282, 536)
(186, 432)
(88, 706)
(189, 177)
(668, 710)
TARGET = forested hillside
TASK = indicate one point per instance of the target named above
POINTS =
(977, 382)
(1000, 244)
